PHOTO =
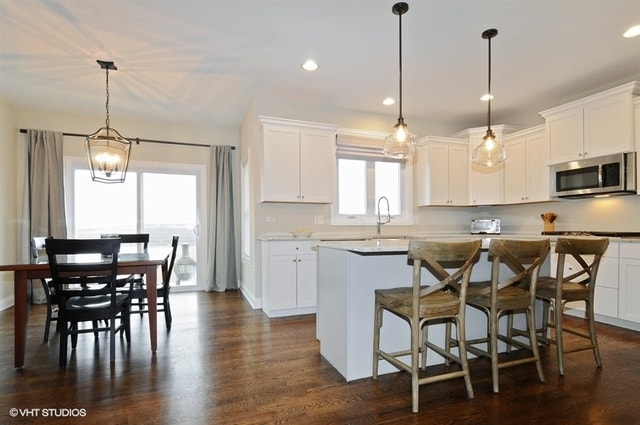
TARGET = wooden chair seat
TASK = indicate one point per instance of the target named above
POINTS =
(571, 291)
(439, 302)
(511, 297)
(94, 302)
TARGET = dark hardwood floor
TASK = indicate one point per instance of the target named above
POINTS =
(224, 363)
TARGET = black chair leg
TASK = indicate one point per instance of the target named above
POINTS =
(62, 361)
(74, 335)
(47, 324)
(167, 313)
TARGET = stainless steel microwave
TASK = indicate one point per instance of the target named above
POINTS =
(605, 175)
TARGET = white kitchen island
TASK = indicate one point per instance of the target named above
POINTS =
(348, 274)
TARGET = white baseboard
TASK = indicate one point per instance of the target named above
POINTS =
(256, 303)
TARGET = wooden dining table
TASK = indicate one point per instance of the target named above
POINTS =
(128, 263)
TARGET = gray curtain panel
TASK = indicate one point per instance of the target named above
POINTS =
(221, 252)
(44, 200)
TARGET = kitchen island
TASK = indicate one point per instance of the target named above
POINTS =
(348, 274)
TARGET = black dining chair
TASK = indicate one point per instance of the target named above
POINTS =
(38, 250)
(84, 273)
(139, 296)
(131, 242)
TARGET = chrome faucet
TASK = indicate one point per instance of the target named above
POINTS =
(379, 222)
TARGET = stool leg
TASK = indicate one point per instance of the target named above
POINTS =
(533, 341)
(462, 349)
(557, 310)
(592, 333)
(415, 364)
(377, 324)
(493, 349)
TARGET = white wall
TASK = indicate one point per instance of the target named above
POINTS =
(8, 206)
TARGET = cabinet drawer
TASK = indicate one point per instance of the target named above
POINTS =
(292, 247)
(629, 250)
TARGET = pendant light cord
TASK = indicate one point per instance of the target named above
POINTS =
(489, 88)
(106, 121)
(400, 65)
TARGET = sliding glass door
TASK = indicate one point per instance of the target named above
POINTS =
(162, 200)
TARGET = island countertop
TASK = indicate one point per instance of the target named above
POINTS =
(400, 245)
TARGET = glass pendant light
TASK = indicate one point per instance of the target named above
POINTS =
(490, 152)
(401, 143)
(107, 151)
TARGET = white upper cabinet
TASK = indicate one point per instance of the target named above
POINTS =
(597, 125)
(526, 173)
(298, 161)
(442, 169)
(486, 184)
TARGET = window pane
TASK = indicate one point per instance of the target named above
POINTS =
(352, 187)
(103, 208)
(169, 208)
(387, 183)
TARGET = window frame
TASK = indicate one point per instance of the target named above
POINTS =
(370, 218)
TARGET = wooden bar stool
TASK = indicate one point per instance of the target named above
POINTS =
(508, 295)
(421, 306)
(577, 285)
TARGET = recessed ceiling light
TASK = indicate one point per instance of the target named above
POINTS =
(389, 101)
(310, 65)
(486, 97)
(632, 32)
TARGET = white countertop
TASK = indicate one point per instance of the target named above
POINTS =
(389, 243)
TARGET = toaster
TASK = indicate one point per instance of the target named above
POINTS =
(488, 226)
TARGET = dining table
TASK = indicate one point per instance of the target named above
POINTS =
(128, 263)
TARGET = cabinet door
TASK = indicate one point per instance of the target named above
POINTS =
(317, 166)
(306, 280)
(608, 126)
(515, 171)
(486, 184)
(629, 291)
(438, 174)
(283, 282)
(458, 175)
(566, 135)
(537, 155)
(281, 160)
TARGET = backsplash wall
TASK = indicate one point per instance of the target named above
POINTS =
(618, 213)
(595, 214)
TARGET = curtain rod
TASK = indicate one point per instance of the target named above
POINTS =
(138, 140)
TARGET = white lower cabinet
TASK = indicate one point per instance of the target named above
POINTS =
(629, 304)
(289, 275)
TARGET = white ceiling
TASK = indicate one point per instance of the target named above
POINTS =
(205, 60)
